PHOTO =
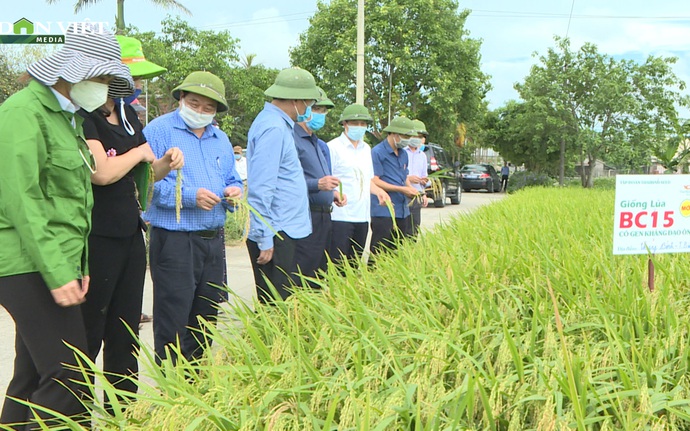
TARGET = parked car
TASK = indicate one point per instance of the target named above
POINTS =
(480, 176)
(438, 160)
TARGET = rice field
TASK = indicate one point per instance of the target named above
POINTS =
(516, 317)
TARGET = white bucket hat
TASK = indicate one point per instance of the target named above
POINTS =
(86, 54)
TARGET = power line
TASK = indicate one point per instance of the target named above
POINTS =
(570, 18)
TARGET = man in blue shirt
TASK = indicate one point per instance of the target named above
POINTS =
(276, 188)
(322, 188)
(505, 172)
(390, 173)
(186, 256)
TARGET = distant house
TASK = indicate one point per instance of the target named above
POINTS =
(600, 169)
(23, 26)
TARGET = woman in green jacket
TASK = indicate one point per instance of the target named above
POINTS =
(45, 206)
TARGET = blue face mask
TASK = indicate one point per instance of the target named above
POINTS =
(129, 99)
(238, 156)
(304, 117)
(422, 147)
(318, 120)
(356, 133)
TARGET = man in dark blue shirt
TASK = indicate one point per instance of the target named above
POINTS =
(310, 252)
(390, 173)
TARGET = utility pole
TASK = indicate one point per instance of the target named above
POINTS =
(360, 53)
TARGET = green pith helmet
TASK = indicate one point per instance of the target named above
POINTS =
(420, 127)
(133, 57)
(294, 84)
(355, 112)
(323, 100)
(401, 125)
(205, 84)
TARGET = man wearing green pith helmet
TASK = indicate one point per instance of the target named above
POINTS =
(390, 173)
(276, 187)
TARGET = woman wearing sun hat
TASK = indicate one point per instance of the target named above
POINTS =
(45, 206)
(117, 258)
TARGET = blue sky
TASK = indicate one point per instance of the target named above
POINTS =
(511, 30)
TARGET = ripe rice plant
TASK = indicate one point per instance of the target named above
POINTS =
(517, 318)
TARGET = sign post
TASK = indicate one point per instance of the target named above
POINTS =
(652, 215)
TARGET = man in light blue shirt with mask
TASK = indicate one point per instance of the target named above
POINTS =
(276, 187)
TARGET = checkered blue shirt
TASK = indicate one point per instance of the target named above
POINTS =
(208, 163)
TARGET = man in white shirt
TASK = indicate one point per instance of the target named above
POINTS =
(417, 166)
(351, 163)
(240, 163)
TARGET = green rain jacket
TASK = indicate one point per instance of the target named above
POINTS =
(45, 188)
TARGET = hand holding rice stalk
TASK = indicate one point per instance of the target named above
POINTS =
(178, 195)
(151, 184)
(436, 183)
(243, 204)
(418, 197)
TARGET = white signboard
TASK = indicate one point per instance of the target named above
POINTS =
(652, 213)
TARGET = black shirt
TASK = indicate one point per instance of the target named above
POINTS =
(115, 208)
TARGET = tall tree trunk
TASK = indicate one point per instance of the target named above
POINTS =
(583, 174)
(590, 173)
(561, 164)
(120, 24)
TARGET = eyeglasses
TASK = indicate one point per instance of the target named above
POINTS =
(309, 103)
(91, 161)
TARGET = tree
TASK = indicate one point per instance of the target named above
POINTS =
(183, 49)
(419, 61)
(120, 16)
(524, 137)
(13, 62)
(601, 105)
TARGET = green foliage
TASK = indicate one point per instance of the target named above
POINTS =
(521, 179)
(523, 136)
(607, 183)
(183, 49)
(528, 323)
(429, 69)
(14, 59)
(600, 108)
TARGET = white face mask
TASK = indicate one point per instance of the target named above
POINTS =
(415, 142)
(193, 119)
(89, 95)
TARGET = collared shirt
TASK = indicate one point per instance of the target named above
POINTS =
(315, 166)
(66, 105)
(275, 180)
(45, 188)
(391, 169)
(505, 171)
(352, 166)
(241, 166)
(209, 163)
(417, 165)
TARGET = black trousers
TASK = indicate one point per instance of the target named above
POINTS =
(279, 271)
(415, 218)
(310, 252)
(504, 182)
(385, 235)
(118, 268)
(348, 240)
(186, 270)
(41, 373)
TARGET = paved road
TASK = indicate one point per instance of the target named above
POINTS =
(240, 277)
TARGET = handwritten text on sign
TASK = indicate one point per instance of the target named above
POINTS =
(652, 212)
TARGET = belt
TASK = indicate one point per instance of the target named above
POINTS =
(207, 234)
(321, 208)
